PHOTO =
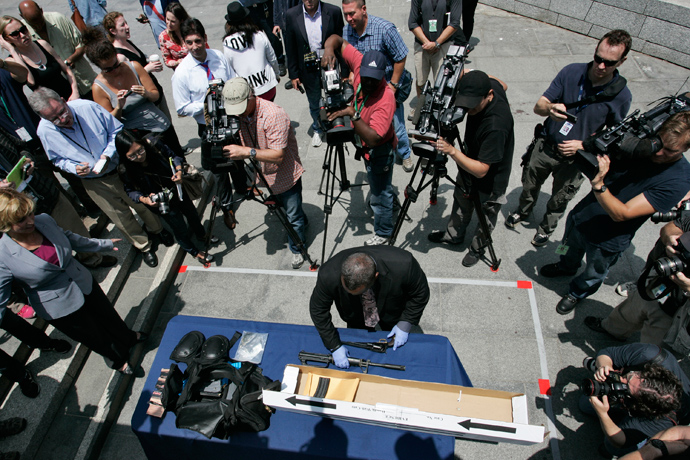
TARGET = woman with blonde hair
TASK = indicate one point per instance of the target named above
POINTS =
(38, 254)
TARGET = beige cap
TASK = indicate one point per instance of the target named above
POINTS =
(236, 92)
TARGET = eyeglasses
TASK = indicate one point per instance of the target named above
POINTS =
(111, 68)
(61, 117)
(599, 60)
(21, 30)
(138, 154)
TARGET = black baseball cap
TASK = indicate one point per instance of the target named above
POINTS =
(373, 65)
(474, 86)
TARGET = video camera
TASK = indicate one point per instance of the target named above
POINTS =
(221, 129)
(631, 139)
(337, 94)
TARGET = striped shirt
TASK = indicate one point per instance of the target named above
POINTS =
(269, 128)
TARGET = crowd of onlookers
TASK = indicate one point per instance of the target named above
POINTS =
(110, 135)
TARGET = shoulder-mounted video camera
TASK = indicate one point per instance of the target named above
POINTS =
(221, 129)
(337, 94)
(633, 138)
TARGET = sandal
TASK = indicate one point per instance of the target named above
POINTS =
(205, 258)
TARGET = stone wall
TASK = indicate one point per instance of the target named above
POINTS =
(658, 28)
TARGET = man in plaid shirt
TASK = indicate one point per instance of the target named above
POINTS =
(268, 138)
(371, 33)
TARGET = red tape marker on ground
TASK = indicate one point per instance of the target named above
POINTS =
(183, 269)
(524, 285)
(544, 387)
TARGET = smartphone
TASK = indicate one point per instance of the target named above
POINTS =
(569, 116)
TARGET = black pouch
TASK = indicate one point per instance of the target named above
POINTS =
(172, 387)
(538, 130)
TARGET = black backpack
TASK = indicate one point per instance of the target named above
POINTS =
(219, 396)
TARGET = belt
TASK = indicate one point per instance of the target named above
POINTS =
(552, 150)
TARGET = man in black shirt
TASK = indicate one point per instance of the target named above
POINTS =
(490, 141)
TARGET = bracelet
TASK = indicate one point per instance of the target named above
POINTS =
(2, 66)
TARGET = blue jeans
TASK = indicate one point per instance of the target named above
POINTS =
(380, 176)
(291, 201)
(312, 87)
(403, 148)
(598, 263)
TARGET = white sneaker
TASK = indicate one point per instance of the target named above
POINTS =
(316, 140)
(410, 117)
(408, 164)
(297, 260)
(375, 241)
(624, 289)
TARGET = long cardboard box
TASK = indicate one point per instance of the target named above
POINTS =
(452, 410)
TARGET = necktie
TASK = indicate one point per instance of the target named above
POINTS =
(371, 314)
(209, 74)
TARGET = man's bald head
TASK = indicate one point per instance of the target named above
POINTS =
(32, 14)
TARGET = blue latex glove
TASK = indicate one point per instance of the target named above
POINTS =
(340, 357)
(400, 337)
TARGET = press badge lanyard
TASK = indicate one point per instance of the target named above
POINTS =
(87, 149)
(364, 101)
(7, 111)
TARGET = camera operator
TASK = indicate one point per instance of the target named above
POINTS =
(571, 91)
(659, 395)
(308, 26)
(604, 223)
(372, 112)
(190, 84)
(651, 317)
(490, 140)
(268, 138)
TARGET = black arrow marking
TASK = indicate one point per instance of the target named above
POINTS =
(294, 401)
(467, 424)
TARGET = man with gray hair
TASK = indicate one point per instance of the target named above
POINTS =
(79, 137)
(375, 288)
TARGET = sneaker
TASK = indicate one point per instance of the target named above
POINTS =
(554, 271)
(297, 260)
(513, 219)
(410, 117)
(566, 304)
(408, 164)
(316, 140)
(624, 289)
(471, 258)
(375, 241)
(540, 239)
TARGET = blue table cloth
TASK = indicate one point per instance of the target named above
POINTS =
(428, 358)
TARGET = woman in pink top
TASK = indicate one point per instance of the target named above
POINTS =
(170, 40)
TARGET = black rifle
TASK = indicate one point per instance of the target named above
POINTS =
(306, 357)
(378, 347)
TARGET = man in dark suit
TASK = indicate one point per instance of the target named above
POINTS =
(308, 27)
(373, 287)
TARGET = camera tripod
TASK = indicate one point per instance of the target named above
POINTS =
(436, 163)
(333, 163)
(271, 202)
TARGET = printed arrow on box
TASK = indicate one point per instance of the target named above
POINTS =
(305, 402)
(467, 424)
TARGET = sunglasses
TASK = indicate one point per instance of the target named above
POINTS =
(599, 60)
(111, 68)
(21, 30)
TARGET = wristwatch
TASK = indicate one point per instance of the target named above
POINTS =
(659, 444)
(356, 116)
(599, 190)
(396, 85)
(252, 154)
(437, 45)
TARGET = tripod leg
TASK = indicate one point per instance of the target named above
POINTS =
(211, 223)
(411, 194)
(328, 199)
(486, 231)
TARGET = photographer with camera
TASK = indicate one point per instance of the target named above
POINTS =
(604, 223)
(581, 99)
(269, 140)
(652, 318)
(190, 85)
(651, 390)
(308, 26)
(145, 170)
(372, 112)
(487, 162)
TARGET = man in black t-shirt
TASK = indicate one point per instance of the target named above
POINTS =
(490, 141)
